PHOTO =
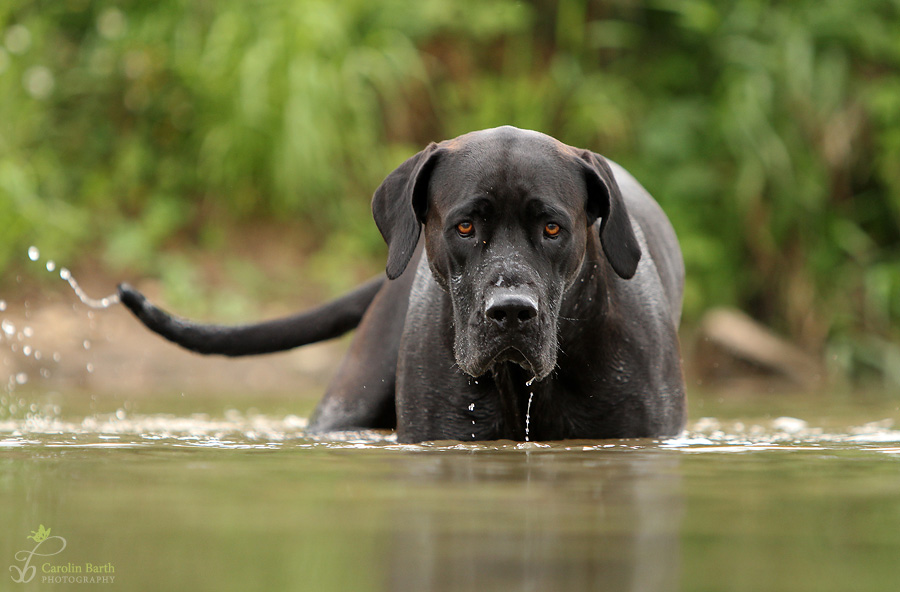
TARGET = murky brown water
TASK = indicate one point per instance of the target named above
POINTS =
(755, 499)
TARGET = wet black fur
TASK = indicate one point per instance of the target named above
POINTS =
(467, 325)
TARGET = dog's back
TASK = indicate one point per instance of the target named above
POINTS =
(658, 234)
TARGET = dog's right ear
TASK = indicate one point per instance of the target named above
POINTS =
(400, 205)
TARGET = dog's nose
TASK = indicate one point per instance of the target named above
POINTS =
(510, 309)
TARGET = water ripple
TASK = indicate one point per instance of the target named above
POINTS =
(237, 431)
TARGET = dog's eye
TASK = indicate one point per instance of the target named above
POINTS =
(551, 230)
(465, 229)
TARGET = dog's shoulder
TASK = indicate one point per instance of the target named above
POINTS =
(656, 235)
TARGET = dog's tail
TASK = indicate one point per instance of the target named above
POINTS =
(325, 322)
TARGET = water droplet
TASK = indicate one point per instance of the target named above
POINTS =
(120, 414)
(65, 273)
(531, 382)
(8, 328)
(87, 344)
(33, 253)
(38, 355)
(28, 331)
(51, 265)
(26, 350)
(56, 357)
(472, 407)
(89, 368)
(2, 305)
(21, 378)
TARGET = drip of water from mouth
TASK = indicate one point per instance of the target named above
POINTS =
(528, 413)
(101, 303)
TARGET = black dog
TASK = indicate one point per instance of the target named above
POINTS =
(543, 302)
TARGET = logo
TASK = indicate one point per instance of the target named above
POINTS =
(53, 573)
(27, 571)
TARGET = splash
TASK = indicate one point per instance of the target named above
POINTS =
(45, 427)
(101, 303)
(18, 338)
(34, 254)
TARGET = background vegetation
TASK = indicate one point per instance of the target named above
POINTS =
(769, 130)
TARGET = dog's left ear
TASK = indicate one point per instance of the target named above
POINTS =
(399, 207)
(605, 201)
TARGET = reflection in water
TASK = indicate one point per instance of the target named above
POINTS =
(546, 520)
(244, 502)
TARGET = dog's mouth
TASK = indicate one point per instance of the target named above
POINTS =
(532, 363)
(514, 355)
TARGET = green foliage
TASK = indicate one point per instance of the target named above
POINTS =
(770, 131)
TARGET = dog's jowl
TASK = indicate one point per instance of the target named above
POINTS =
(520, 270)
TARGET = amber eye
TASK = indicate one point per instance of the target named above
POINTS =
(465, 228)
(551, 230)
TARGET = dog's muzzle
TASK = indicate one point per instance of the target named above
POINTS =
(509, 327)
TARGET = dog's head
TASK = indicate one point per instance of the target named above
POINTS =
(508, 216)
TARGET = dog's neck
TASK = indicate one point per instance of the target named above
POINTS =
(588, 297)
(513, 385)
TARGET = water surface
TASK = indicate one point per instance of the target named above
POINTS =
(761, 493)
